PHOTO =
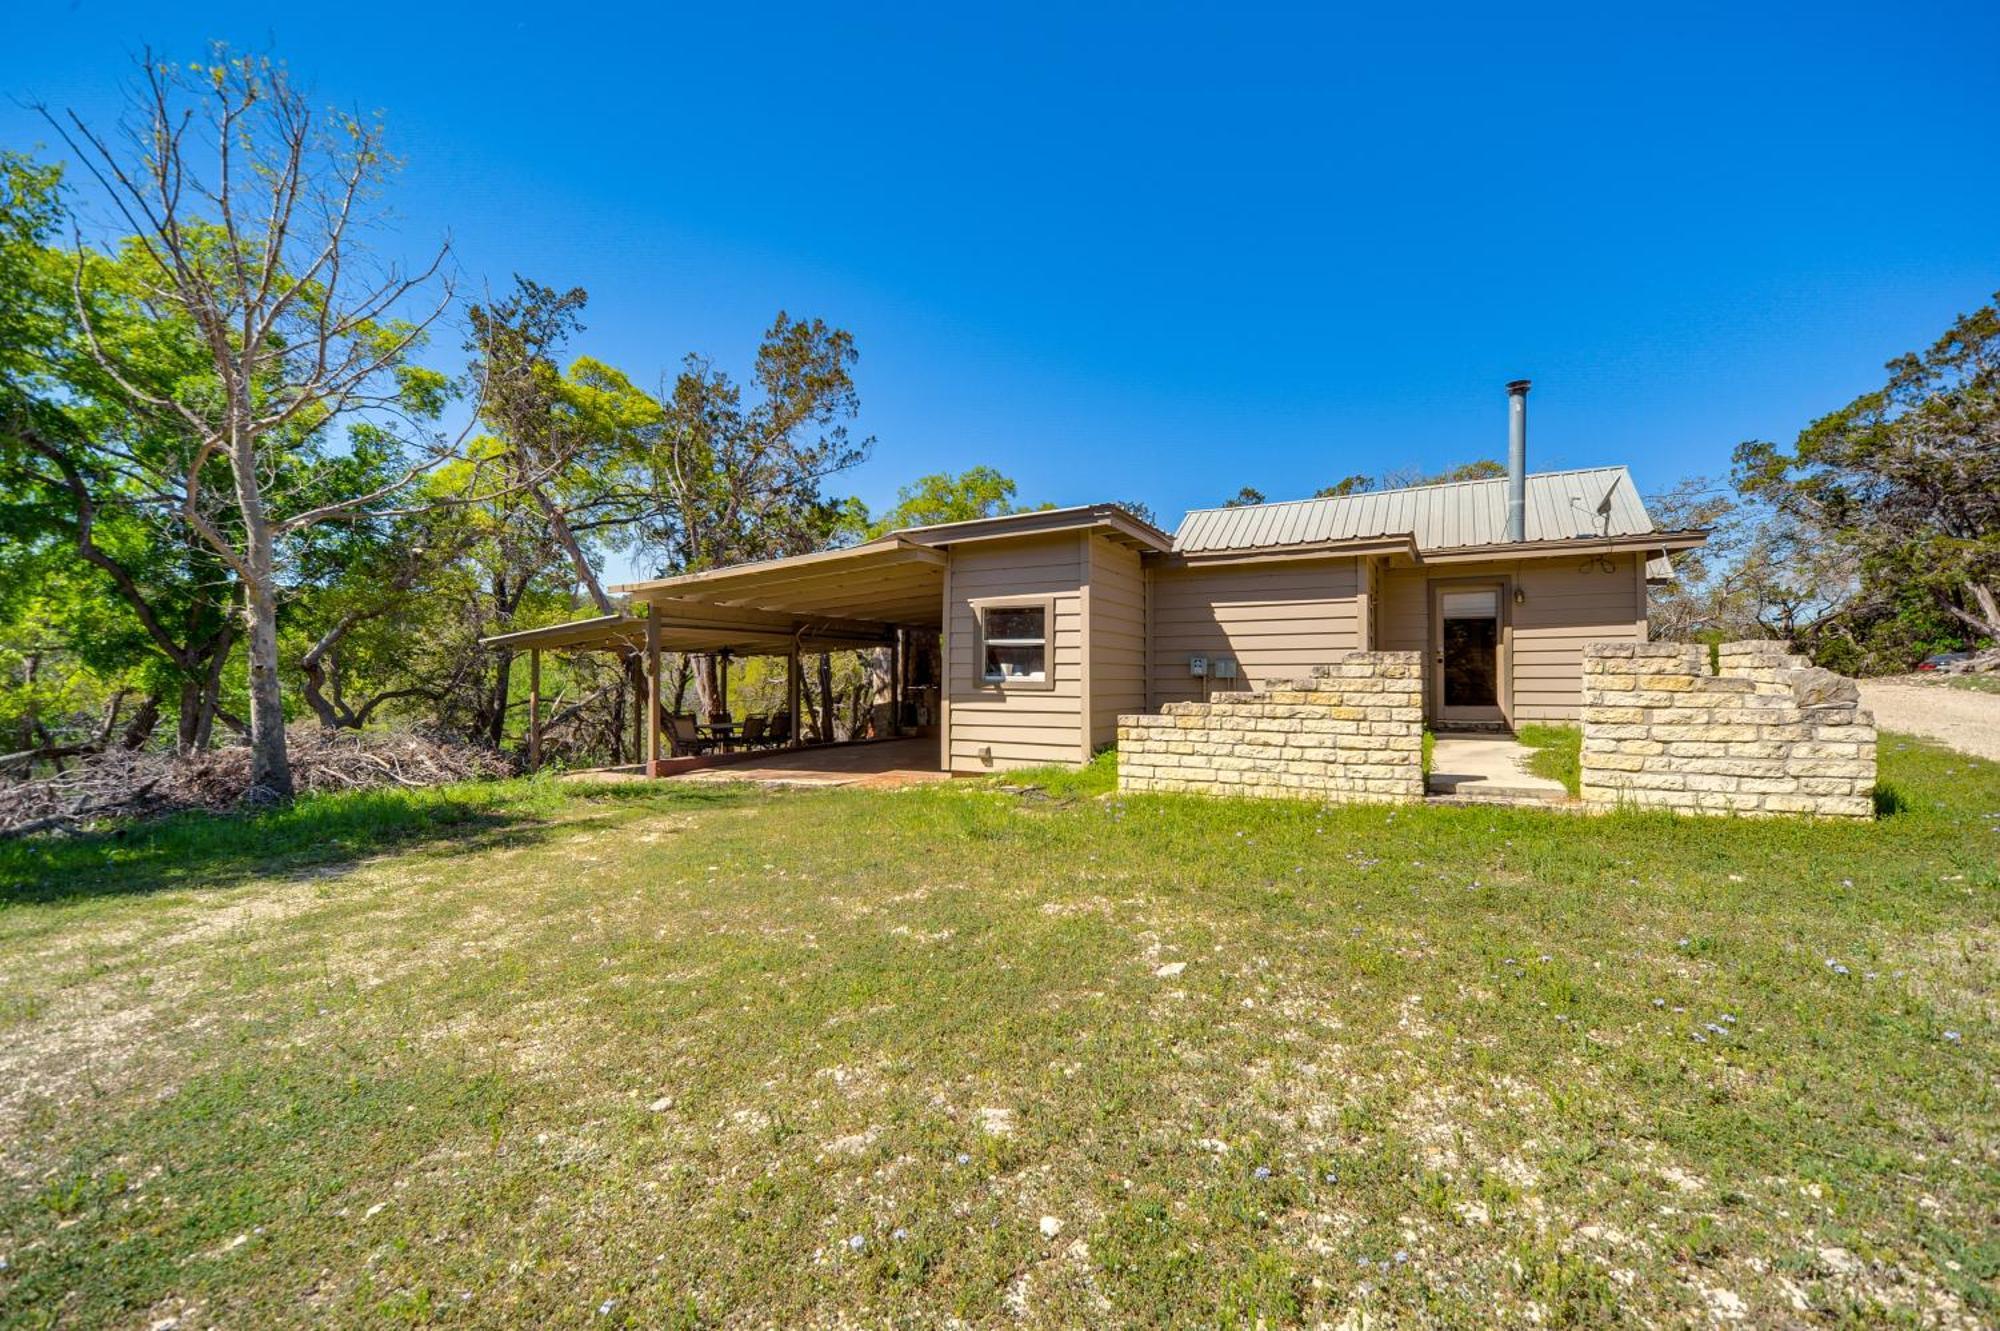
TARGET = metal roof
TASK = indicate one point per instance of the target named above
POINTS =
(1562, 506)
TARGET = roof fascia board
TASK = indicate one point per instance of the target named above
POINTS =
(1398, 545)
(1040, 522)
(1650, 540)
(900, 550)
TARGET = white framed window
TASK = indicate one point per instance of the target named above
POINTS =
(1016, 642)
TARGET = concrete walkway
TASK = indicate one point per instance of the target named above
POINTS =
(1489, 768)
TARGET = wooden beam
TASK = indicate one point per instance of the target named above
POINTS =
(534, 709)
(652, 697)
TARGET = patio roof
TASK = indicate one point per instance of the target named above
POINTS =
(888, 581)
(829, 600)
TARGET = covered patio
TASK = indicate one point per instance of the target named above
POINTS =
(873, 597)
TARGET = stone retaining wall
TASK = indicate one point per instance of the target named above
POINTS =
(1353, 732)
(1769, 734)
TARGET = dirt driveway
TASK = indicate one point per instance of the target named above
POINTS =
(1968, 721)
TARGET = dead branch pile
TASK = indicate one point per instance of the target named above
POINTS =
(121, 783)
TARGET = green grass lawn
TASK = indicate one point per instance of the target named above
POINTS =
(540, 1054)
(1558, 753)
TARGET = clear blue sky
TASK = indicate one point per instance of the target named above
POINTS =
(1160, 253)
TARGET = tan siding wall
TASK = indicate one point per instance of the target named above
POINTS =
(1278, 620)
(1565, 608)
(1020, 727)
(1117, 637)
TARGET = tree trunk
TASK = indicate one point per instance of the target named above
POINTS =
(333, 712)
(140, 728)
(826, 697)
(270, 766)
(187, 728)
(503, 672)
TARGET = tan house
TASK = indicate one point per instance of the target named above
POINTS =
(1048, 625)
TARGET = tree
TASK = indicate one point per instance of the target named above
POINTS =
(1480, 469)
(1905, 479)
(1142, 511)
(1760, 574)
(81, 511)
(247, 212)
(1245, 498)
(976, 492)
(723, 482)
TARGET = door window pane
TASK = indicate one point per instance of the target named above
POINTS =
(1471, 662)
(1469, 605)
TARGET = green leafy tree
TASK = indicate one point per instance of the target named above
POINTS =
(1248, 496)
(976, 492)
(247, 212)
(1905, 480)
(84, 517)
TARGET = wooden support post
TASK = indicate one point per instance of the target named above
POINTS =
(534, 709)
(652, 695)
(722, 683)
(792, 678)
(896, 678)
(638, 712)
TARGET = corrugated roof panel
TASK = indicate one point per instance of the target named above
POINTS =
(1561, 505)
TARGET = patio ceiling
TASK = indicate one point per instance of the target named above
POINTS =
(831, 601)
(885, 583)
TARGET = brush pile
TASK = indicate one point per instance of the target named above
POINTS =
(121, 783)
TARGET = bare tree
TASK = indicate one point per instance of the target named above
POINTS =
(249, 211)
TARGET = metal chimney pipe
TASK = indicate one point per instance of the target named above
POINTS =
(1517, 460)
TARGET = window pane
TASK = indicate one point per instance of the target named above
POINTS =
(1014, 621)
(1469, 605)
(1003, 663)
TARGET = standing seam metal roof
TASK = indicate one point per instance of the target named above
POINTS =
(1562, 505)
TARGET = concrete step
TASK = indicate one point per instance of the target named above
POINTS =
(1450, 791)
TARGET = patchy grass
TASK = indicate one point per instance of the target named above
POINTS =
(1558, 753)
(1974, 683)
(540, 1054)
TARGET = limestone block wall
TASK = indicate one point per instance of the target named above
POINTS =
(1767, 734)
(1353, 732)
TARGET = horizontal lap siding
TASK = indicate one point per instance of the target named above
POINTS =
(1021, 727)
(1277, 621)
(1564, 606)
(1117, 638)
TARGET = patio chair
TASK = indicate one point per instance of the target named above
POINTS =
(753, 732)
(685, 738)
(780, 732)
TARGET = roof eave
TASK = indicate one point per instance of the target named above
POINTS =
(1039, 522)
(1645, 540)
(1370, 545)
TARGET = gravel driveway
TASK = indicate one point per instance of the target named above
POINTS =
(1968, 721)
